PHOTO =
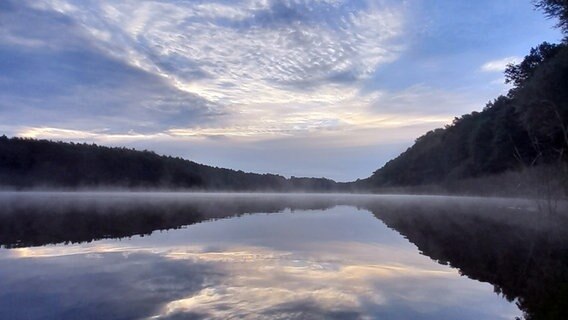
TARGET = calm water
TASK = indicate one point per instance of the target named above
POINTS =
(219, 256)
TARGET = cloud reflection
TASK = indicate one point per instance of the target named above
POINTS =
(338, 263)
(262, 281)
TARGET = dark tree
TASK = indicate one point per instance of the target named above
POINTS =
(528, 127)
(518, 74)
(555, 9)
(27, 163)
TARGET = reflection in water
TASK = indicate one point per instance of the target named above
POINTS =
(313, 256)
(523, 253)
(35, 219)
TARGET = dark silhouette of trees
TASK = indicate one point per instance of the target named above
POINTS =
(518, 74)
(555, 9)
(27, 163)
(526, 128)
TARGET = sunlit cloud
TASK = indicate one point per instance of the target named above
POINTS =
(499, 65)
(270, 66)
(275, 68)
(253, 51)
(66, 134)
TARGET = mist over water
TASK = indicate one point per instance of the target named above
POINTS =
(164, 255)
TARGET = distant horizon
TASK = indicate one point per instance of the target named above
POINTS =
(330, 89)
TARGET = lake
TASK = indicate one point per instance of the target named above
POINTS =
(105, 255)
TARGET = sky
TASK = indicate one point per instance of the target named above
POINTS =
(322, 88)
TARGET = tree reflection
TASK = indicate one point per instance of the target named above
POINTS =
(522, 253)
(27, 221)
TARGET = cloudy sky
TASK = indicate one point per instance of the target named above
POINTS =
(305, 88)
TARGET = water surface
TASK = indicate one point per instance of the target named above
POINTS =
(222, 256)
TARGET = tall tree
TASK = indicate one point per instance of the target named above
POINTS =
(555, 9)
(518, 74)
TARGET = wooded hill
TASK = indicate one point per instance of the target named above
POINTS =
(526, 128)
(27, 163)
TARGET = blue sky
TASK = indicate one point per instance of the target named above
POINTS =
(306, 88)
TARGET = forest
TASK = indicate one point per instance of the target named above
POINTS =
(29, 163)
(523, 131)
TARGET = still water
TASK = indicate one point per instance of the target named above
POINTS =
(223, 256)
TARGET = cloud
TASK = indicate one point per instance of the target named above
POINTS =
(17, 18)
(423, 103)
(54, 75)
(500, 65)
(193, 68)
(239, 69)
(241, 51)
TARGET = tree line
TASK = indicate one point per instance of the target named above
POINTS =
(526, 128)
(30, 163)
